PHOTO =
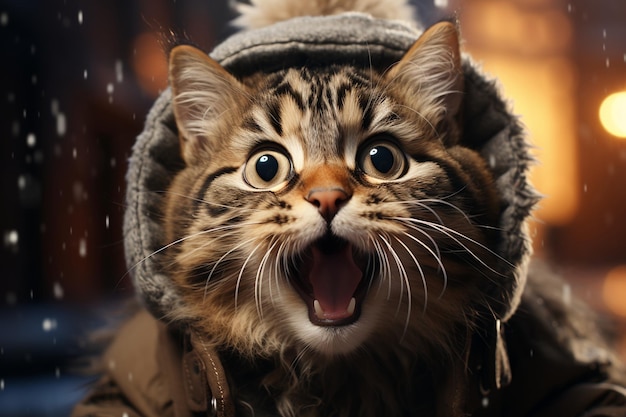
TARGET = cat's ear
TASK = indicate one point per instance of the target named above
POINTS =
(431, 71)
(205, 96)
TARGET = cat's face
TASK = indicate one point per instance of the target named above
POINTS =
(327, 208)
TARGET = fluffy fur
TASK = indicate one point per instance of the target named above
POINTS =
(420, 230)
(260, 13)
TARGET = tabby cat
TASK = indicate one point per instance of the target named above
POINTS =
(326, 217)
(330, 217)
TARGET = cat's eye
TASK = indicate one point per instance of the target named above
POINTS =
(267, 168)
(382, 159)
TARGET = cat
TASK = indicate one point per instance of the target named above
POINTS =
(331, 213)
(332, 223)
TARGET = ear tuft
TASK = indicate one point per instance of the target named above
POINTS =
(205, 97)
(431, 71)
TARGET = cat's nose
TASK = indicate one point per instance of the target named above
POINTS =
(328, 201)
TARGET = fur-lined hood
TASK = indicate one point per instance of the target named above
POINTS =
(350, 38)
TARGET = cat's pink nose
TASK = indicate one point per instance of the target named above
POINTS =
(328, 201)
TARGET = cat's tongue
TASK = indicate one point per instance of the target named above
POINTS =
(334, 278)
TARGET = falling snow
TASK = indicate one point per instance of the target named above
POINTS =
(11, 238)
(61, 124)
(31, 140)
(110, 90)
(49, 324)
(57, 290)
(82, 248)
(441, 3)
(61, 120)
(4, 19)
(80, 17)
(119, 72)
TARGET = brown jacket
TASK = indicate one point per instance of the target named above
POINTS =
(152, 371)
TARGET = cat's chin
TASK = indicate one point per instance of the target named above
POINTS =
(333, 341)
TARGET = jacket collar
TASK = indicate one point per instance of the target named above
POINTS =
(195, 374)
(199, 382)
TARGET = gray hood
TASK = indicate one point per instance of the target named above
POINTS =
(355, 39)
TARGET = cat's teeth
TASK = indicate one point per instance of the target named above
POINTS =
(319, 312)
(318, 309)
(352, 306)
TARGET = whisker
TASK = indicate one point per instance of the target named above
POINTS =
(208, 280)
(405, 281)
(241, 271)
(419, 268)
(182, 239)
(436, 256)
(385, 268)
(449, 204)
(451, 233)
(277, 263)
(206, 285)
(425, 206)
(211, 203)
(234, 230)
(259, 278)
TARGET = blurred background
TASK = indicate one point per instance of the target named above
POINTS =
(78, 79)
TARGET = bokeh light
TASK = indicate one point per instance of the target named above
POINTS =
(613, 114)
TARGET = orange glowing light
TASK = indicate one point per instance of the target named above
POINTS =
(150, 63)
(614, 290)
(613, 114)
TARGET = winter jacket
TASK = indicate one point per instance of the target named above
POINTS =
(535, 358)
(152, 370)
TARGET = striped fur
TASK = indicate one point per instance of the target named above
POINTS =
(422, 238)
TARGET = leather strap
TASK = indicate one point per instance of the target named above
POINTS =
(493, 359)
(203, 369)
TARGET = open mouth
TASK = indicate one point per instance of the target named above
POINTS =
(332, 281)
